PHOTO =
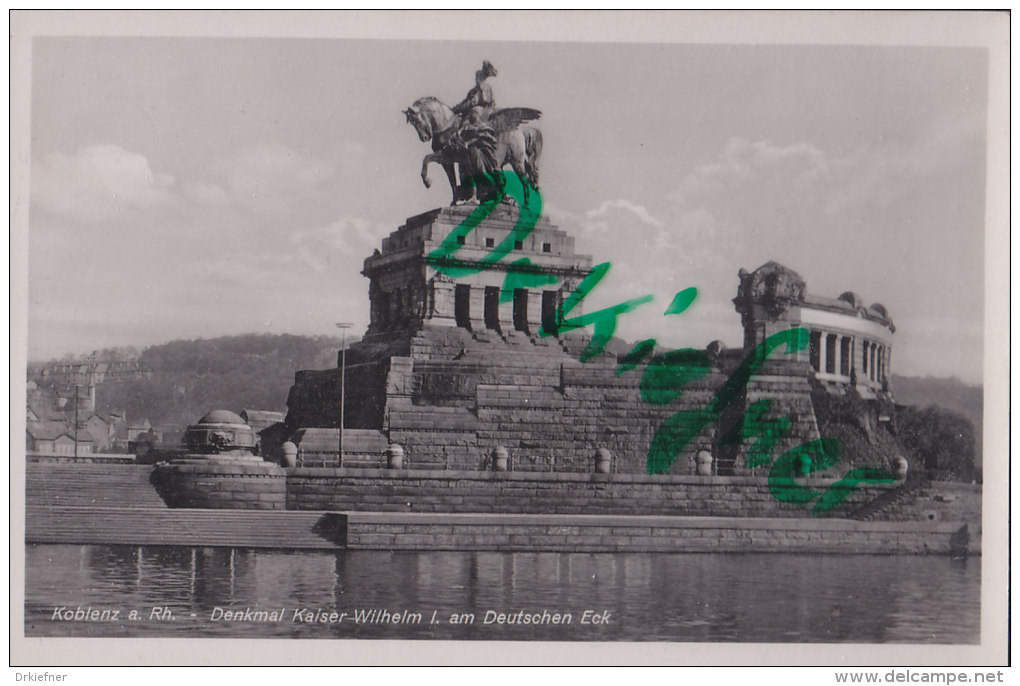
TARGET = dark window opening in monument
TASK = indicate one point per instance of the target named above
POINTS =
(462, 305)
(492, 307)
(864, 358)
(547, 247)
(460, 240)
(490, 242)
(830, 354)
(816, 350)
(521, 309)
(881, 364)
(844, 356)
(549, 311)
(518, 245)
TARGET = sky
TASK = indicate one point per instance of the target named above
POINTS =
(199, 187)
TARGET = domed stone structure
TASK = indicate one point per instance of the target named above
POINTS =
(221, 468)
(221, 431)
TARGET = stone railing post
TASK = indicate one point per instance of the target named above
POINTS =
(394, 456)
(500, 458)
(289, 454)
(704, 463)
(902, 466)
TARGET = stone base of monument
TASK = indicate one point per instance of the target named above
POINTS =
(242, 481)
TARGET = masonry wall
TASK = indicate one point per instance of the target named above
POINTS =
(408, 490)
(213, 484)
(783, 385)
(456, 398)
(455, 395)
(391, 531)
(314, 400)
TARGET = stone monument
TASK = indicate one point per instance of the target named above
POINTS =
(464, 354)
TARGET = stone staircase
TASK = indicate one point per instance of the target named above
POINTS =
(83, 525)
(90, 485)
(878, 507)
(117, 505)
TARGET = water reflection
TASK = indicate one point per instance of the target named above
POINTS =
(648, 596)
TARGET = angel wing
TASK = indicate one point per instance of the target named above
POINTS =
(509, 118)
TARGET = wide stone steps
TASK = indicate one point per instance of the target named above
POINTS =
(49, 484)
(184, 527)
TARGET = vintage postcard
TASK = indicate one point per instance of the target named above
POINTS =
(509, 338)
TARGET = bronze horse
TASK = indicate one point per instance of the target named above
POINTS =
(476, 148)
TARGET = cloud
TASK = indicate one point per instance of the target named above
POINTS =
(825, 215)
(746, 165)
(272, 177)
(759, 201)
(654, 252)
(243, 239)
(103, 183)
(612, 226)
(209, 194)
(604, 211)
(882, 176)
(98, 183)
(352, 236)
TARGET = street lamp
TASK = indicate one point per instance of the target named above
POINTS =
(343, 326)
(77, 393)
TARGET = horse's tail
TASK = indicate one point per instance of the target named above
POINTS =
(533, 150)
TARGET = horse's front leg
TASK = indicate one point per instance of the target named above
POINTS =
(451, 175)
(431, 157)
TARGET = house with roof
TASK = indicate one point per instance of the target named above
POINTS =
(55, 438)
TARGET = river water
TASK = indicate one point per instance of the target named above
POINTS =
(84, 591)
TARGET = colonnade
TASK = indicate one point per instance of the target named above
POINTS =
(478, 307)
(846, 356)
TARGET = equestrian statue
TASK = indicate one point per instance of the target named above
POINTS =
(473, 139)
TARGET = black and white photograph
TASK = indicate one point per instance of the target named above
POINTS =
(510, 337)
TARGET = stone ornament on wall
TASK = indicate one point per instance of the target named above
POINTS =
(771, 286)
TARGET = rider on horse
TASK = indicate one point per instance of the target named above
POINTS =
(479, 102)
(474, 138)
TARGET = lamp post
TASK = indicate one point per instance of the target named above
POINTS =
(343, 326)
(77, 392)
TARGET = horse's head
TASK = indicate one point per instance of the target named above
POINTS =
(416, 119)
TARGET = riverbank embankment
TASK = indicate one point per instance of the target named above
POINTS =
(381, 509)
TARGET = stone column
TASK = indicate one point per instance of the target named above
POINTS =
(506, 314)
(534, 311)
(440, 309)
(477, 301)
(823, 346)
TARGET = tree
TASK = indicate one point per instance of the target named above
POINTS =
(941, 440)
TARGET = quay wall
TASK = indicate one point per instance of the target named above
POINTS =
(402, 509)
(454, 491)
(579, 533)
